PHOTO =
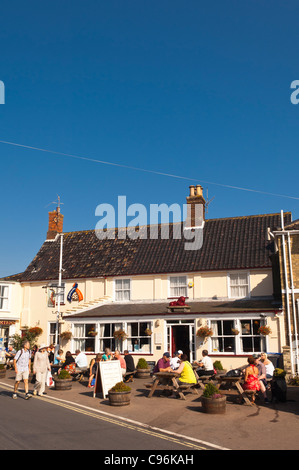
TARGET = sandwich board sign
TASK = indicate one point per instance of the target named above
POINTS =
(2, 350)
(108, 374)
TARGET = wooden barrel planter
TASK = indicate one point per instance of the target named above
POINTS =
(119, 398)
(2, 373)
(214, 405)
(62, 384)
(143, 373)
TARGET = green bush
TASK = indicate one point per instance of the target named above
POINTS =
(218, 365)
(142, 364)
(279, 373)
(211, 391)
(120, 387)
(64, 374)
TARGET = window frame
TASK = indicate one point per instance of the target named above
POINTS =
(116, 291)
(229, 285)
(170, 287)
(8, 297)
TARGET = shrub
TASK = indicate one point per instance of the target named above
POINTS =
(218, 365)
(211, 391)
(64, 374)
(120, 387)
(142, 364)
(279, 373)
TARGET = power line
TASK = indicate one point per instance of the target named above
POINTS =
(155, 172)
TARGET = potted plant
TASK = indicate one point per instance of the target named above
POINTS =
(119, 395)
(35, 331)
(142, 369)
(219, 368)
(63, 381)
(2, 371)
(204, 332)
(235, 331)
(148, 332)
(212, 400)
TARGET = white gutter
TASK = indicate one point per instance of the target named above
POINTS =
(287, 291)
(293, 301)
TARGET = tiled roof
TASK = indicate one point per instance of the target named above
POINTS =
(229, 243)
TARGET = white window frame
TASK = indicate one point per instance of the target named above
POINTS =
(185, 286)
(245, 273)
(116, 291)
(7, 309)
(238, 338)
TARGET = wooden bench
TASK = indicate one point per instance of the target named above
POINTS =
(128, 377)
(204, 379)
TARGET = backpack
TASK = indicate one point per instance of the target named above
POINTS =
(233, 373)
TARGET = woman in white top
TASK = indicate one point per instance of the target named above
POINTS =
(268, 364)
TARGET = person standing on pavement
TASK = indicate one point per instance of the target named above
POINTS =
(41, 366)
(22, 364)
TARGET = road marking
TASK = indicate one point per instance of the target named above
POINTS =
(193, 443)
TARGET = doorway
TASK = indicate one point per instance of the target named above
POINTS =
(180, 339)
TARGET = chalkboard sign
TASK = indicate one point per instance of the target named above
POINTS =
(108, 374)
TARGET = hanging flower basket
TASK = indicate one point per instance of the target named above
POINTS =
(92, 333)
(35, 331)
(66, 335)
(235, 331)
(204, 332)
(264, 330)
(120, 334)
(148, 332)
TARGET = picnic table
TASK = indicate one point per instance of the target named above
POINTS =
(168, 381)
(202, 380)
(236, 383)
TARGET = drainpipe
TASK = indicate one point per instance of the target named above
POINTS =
(293, 301)
(287, 291)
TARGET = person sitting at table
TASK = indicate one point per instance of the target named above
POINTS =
(163, 364)
(107, 356)
(58, 357)
(68, 361)
(94, 365)
(130, 366)
(268, 365)
(123, 365)
(176, 360)
(81, 360)
(185, 371)
(9, 355)
(251, 381)
(205, 365)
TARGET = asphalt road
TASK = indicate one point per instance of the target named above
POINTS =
(43, 424)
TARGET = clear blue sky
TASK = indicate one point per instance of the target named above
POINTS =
(198, 89)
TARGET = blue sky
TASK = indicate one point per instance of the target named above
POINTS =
(195, 89)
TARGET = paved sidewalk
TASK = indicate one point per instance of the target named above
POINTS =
(259, 427)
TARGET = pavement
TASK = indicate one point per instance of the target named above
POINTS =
(259, 427)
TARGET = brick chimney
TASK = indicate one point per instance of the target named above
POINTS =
(195, 207)
(55, 224)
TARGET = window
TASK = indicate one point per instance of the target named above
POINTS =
(239, 285)
(107, 339)
(223, 339)
(139, 337)
(52, 333)
(122, 289)
(4, 297)
(251, 340)
(237, 336)
(178, 286)
(84, 337)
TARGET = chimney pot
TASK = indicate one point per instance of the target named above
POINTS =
(192, 191)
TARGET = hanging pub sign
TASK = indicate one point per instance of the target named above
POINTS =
(75, 293)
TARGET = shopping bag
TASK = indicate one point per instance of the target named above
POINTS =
(49, 381)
